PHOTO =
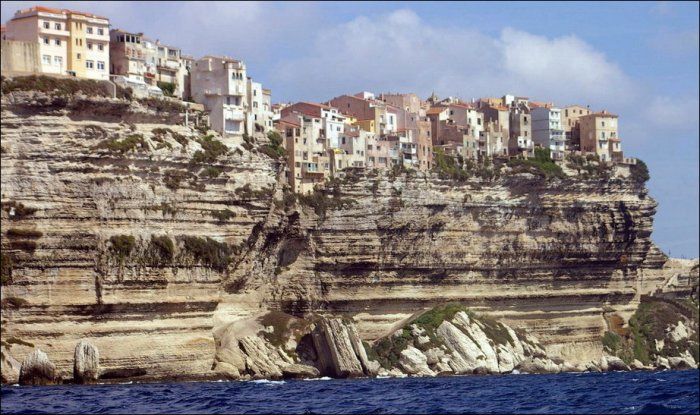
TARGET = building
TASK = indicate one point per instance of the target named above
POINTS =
(547, 130)
(333, 121)
(520, 142)
(570, 122)
(307, 161)
(599, 136)
(70, 42)
(170, 69)
(221, 84)
(371, 114)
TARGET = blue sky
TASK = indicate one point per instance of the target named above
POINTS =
(639, 60)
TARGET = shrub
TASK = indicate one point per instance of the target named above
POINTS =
(211, 150)
(162, 247)
(125, 93)
(639, 172)
(23, 233)
(129, 143)
(222, 215)
(162, 105)
(21, 211)
(6, 263)
(273, 150)
(542, 163)
(168, 88)
(446, 166)
(211, 172)
(321, 202)
(611, 342)
(48, 84)
(173, 177)
(14, 302)
(122, 245)
(26, 246)
(207, 251)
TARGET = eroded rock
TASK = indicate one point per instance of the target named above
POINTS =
(37, 369)
(86, 362)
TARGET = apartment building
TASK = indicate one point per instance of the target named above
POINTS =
(221, 85)
(493, 141)
(170, 68)
(570, 121)
(520, 142)
(547, 130)
(599, 136)
(371, 114)
(334, 123)
(70, 42)
(307, 160)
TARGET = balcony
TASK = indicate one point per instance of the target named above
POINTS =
(94, 36)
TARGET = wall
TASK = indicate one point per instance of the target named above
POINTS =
(20, 57)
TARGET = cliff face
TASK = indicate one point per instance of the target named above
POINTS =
(126, 229)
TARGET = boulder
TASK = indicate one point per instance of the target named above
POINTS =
(506, 358)
(261, 360)
(433, 355)
(413, 362)
(475, 332)
(680, 363)
(537, 365)
(9, 368)
(373, 367)
(339, 349)
(37, 369)
(297, 371)
(614, 363)
(423, 339)
(689, 358)
(396, 373)
(659, 344)
(443, 368)
(481, 370)
(86, 362)
(662, 363)
(637, 365)
(465, 353)
(227, 370)
(593, 367)
(229, 352)
(679, 332)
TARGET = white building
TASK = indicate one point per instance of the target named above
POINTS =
(547, 130)
(221, 85)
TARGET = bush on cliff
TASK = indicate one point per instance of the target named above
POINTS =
(447, 167)
(208, 252)
(23, 233)
(542, 163)
(163, 248)
(60, 86)
(639, 172)
(273, 150)
(122, 245)
(125, 145)
(211, 150)
(324, 199)
(6, 264)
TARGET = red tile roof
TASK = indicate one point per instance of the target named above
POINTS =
(61, 11)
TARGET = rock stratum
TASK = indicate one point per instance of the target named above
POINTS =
(173, 253)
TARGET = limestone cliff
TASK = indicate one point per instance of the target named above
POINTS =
(169, 253)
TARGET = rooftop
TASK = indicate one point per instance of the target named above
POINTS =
(44, 9)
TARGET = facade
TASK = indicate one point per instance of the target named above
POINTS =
(308, 163)
(547, 130)
(70, 42)
(170, 68)
(334, 123)
(520, 142)
(220, 84)
(599, 136)
(570, 122)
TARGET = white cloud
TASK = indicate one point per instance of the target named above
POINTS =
(673, 113)
(400, 51)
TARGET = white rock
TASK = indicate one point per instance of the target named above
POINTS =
(474, 331)
(423, 339)
(659, 344)
(414, 362)
(679, 332)
(662, 363)
(433, 355)
(465, 352)
(86, 362)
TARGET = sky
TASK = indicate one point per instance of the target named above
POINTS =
(637, 60)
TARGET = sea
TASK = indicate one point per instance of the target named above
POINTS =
(673, 392)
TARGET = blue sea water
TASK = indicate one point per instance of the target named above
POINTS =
(620, 392)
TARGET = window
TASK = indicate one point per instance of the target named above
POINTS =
(89, 64)
(46, 40)
(58, 60)
(255, 92)
(47, 25)
(100, 31)
(101, 65)
(89, 45)
(57, 42)
(46, 59)
(101, 46)
(602, 123)
(57, 26)
(78, 57)
(89, 30)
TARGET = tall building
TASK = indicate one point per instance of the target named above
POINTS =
(599, 136)
(570, 121)
(70, 42)
(547, 130)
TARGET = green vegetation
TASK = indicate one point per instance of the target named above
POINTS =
(388, 349)
(211, 172)
(21, 211)
(162, 104)
(129, 143)
(165, 208)
(211, 150)
(431, 319)
(125, 93)
(273, 150)
(542, 163)
(59, 86)
(122, 245)
(247, 193)
(639, 172)
(446, 166)
(207, 251)
(23, 233)
(222, 215)
(324, 199)
(168, 88)
(6, 264)
(162, 247)
(173, 177)
(611, 342)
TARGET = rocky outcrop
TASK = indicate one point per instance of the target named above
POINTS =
(37, 369)
(9, 368)
(413, 362)
(86, 366)
(296, 370)
(146, 237)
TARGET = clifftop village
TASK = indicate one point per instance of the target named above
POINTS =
(359, 131)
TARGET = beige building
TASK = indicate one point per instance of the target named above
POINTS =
(307, 160)
(599, 135)
(570, 123)
(70, 42)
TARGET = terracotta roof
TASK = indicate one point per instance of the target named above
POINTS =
(603, 114)
(536, 104)
(291, 119)
(462, 105)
